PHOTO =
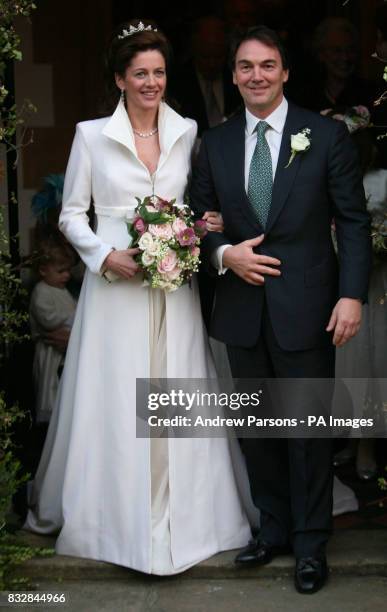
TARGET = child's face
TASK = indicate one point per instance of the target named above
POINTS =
(56, 275)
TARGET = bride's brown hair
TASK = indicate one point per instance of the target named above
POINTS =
(122, 49)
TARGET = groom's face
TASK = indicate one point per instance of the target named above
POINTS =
(259, 75)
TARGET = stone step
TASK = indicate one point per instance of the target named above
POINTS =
(350, 553)
(341, 594)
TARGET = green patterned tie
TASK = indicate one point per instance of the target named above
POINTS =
(260, 184)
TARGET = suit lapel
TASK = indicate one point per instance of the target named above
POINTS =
(233, 151)
(284, 177)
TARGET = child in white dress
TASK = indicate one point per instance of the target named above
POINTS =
(52, 308)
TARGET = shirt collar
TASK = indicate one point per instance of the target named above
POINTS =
(276, 119)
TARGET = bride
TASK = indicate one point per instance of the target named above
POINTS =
(155, 505)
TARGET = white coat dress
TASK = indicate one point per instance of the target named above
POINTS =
(155, 508)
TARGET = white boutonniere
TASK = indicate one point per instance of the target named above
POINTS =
(299, 143)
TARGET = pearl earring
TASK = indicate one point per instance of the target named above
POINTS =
(123, 96)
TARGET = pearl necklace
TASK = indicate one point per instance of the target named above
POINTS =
(146, 134)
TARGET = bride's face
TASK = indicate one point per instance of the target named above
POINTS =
(144, 81)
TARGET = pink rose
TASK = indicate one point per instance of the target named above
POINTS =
(195, 251)
(179, 226)
(362, 111)
(139, 225)
(168, 262)
(200, 227)
(161, 230)
(173, 274)
(187, 237)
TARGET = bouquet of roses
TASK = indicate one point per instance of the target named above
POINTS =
(168, 239)
(355, 117)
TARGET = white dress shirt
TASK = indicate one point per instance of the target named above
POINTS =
(276, 121)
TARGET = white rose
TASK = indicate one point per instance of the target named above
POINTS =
(299, 142)
(351, 123)
(147, 259)
(146, 243)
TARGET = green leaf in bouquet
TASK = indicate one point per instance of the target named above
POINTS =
(153, 217)
(149, 216)
(135, 236)
(137, 258)
(164, 217)
(183, 253)
(156, 218)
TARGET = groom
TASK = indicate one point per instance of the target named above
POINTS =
(283, 302)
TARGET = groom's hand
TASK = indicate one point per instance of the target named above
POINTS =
(345, 320)
(248, 265)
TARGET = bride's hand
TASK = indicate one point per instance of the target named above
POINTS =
(122, 263)
(214, 221)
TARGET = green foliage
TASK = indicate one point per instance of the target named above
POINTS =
(382, 483)
(10, 468)
(12, 553)
(378, 231)
(12, 319)
(9, 40)
(11, 116)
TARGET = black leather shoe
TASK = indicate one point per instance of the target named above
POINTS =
(259, 552)
(311, 574)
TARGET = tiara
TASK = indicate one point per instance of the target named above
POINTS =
(134, 30)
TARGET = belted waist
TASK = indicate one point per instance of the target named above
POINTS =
(115, 211)
(124, 212)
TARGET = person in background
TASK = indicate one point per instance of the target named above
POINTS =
(240, 14)
(202, 86)
(204, 91)
(52, 309)
(45, 207)
(335, 82)
(379, 112)
(364, 358)
(381, 32)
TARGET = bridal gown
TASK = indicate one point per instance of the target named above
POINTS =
(160, 505)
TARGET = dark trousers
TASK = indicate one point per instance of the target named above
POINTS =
(291, 479)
